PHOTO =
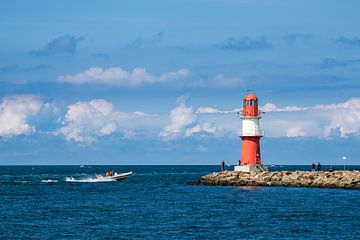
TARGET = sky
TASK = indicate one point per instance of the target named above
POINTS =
(160, 82)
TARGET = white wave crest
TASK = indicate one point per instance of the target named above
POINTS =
(89, 180)
(49, 181)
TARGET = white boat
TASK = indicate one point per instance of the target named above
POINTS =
(121, 176)
(116, 176)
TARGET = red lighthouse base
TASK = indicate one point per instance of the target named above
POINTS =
(250, 157)
(250, 150)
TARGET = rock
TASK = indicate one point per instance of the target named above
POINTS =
(338, 179)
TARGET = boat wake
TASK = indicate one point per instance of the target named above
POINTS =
(89, 180)
(49, 181)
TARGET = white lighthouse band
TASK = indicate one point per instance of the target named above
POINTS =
(251, 127)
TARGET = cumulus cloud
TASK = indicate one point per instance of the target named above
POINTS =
(85, 122)
(180, 117)
(201, 128)
(344, 117)
(15, 112)
(244, 44)
(186, 122)
(64, 44)
(120, 77)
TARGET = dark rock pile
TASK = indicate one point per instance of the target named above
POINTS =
(336, 179)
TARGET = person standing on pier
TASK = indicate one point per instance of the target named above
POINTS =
(222, 166)
(313, 167)
(319, 167)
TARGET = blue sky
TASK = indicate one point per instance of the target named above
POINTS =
(160, 82)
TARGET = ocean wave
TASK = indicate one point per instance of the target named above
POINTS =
(88, 180)
(49, 181)
(22, 181)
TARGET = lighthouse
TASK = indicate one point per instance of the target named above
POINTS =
(250, 135)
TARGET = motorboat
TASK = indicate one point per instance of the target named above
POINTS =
(116, 176)
(121, 176)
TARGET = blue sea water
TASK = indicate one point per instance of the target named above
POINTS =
(65, 202)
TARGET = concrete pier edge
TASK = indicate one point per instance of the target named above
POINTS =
(335, 179)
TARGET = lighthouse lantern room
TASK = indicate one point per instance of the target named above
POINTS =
(250, 135)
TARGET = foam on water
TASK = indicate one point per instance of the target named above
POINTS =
(22, 181)
(49, 181)
(89, 180)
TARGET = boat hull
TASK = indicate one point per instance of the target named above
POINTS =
(121, 176)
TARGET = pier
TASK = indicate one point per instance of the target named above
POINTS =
(335, 179)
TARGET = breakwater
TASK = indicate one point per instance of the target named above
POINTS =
(335, 179)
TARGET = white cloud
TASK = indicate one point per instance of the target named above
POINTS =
(85, 122)
(214, 110)
(180, 117)
(320, 120)
(344, 116)
(270, 107)
(201, 128)
(285, 127)
(139, 113)
(184, 122)
(15, 112)
(118, 76)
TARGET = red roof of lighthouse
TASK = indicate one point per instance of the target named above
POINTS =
(250, 97)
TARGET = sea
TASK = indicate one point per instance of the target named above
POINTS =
(67, 202)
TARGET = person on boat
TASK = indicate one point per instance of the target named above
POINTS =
(108, 174)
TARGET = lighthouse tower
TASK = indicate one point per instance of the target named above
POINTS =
(250, 135)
